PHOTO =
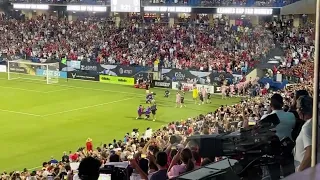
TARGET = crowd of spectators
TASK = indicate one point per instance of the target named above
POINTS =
(134, 43)
(298, 44)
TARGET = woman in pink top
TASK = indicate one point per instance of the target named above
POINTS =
(187, 165)
(178, 100)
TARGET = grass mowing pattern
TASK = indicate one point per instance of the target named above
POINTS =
(39, 120)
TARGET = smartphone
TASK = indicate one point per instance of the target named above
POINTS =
(143, 156)
(105, 177)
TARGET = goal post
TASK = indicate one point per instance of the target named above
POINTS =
(22, 69)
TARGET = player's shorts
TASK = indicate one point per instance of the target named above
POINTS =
(182, 100)
(147, 115)
(147, 91)
(209, 97)
(201, 98)
(153, 112)
(195, 97)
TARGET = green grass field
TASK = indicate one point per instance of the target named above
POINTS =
(39, 120)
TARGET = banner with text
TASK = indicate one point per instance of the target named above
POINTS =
(197, 77)
(162, 84)
(60, 74)
(83, 75)
(189, 87)
(116, 80)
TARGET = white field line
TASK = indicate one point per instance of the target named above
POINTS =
(17, 112)
(86, 107)
(21, 89)
(58, 90)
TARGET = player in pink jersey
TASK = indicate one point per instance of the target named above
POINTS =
(224, 91)
(204, 94)
(231, 90)
(178, 100)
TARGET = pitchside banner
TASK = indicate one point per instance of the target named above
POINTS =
(197, 77)
(84, 75)
(22, 68)
(162, 84)
(116, 80)
(60, 74)
(3, 68)
(189, 87)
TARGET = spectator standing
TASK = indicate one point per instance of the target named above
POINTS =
(302, 150)
(287, 119)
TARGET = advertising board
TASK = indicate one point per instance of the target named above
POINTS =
(116, 80)
(60, 74)
(161, 84)
(90, 76)
(3, 68)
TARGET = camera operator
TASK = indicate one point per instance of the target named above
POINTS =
(283, 126)
(302, 150)
(286, 119)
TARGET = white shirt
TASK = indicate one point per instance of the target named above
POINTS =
(303, 141)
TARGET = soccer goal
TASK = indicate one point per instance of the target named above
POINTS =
(22, 69)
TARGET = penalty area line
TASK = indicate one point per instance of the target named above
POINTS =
(86, 107)
(23, 113)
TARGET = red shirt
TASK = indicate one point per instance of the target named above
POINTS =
(89, 146)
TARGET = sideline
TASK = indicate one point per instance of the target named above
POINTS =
(17, 112)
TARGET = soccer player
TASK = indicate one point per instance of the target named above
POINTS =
(149, 98)
(178, 100)
(147, 87)
(200, 98)
(182, 99)
(153, 111)
(195, 94)
(208, 96)
(204, 94)
(147, 113)
(224, 91)
(140, 111)
(166, 93)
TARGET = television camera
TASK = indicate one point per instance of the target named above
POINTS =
(253, 148)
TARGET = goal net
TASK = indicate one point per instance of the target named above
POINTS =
(22, 69)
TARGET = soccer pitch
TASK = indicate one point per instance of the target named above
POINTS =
(39, 120)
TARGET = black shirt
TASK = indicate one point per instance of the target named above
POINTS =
(160, 175)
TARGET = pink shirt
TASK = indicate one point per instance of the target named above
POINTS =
(178, 98)
(177, 170)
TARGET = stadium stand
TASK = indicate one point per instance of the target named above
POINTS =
(190, 44)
